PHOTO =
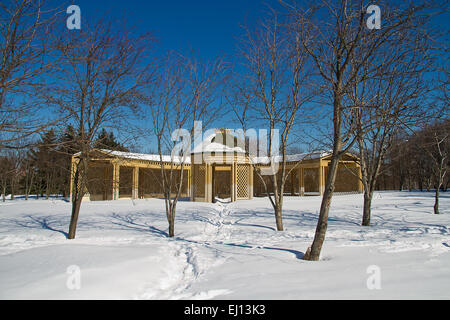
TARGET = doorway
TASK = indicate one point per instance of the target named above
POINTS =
(221, 183)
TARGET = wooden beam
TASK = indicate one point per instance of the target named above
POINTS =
(135, 187)
(115, 181)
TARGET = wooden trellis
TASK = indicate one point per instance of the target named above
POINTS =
(199, 181)
(311, 179)
(243, 181)
(115, 175)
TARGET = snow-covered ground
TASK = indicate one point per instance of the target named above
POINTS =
(226, 251)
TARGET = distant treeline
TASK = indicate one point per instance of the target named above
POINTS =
(413, 160)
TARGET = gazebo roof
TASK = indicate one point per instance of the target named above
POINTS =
(212, 148)
(220, 141)
(293, 157)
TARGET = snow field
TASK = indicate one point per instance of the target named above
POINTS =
(225, 250)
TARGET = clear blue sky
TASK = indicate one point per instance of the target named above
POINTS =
(209, 27)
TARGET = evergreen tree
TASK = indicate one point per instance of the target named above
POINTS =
(107, 140)
(67, 148)
(45, 159)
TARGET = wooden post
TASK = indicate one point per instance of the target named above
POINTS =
(292, 183)
(135, 187)
(233, 182)
(321, 179)
(213, 182)
(192, 179)
(208, 184)
(115, 181)
(188, 187)
(72, 176)
(301, 182)
(251, 181)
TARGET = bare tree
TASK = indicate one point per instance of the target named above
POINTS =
(28, 171)
(336, 47)
(7, 169)
(390, 99)
(26, 57)
(271, 92)
(184, 91)
(436, 142)
(97, 86)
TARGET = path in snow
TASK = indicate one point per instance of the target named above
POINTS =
(192, 258)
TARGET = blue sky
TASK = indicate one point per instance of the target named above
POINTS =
(209, 27)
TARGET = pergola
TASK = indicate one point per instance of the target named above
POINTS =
(218, 167)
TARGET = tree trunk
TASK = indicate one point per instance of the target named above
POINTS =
(436, 201)
(12, 189)
(279, 217)
(76, 205)
(367, 208)
(277, 204)
(313, 253)
(47, 190)
(172, 222)
(79, 183)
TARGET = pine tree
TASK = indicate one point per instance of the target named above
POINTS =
(67, 148)
(107, 140)
(45, 158)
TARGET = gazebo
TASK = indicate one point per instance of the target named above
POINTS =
(218, 167)
(221, 168)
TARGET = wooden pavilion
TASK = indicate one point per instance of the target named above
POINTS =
(218, 167)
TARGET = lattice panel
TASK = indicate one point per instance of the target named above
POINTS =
(346, 180)
(199, 180)
(290, 186)
(243, 181)
(311, 179)
(150, 182)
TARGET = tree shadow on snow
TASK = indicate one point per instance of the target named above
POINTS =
(129, 222)
(38, 222)
(297, 254)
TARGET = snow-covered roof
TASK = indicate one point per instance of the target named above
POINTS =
(221, 141)
(214, 147)
(208, 145)
(293, 157)
(143, 156)
(150, 157)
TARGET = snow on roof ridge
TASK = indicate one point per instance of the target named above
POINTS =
(294, 157)
(261, 160)
(206, 145)
(145, 156)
